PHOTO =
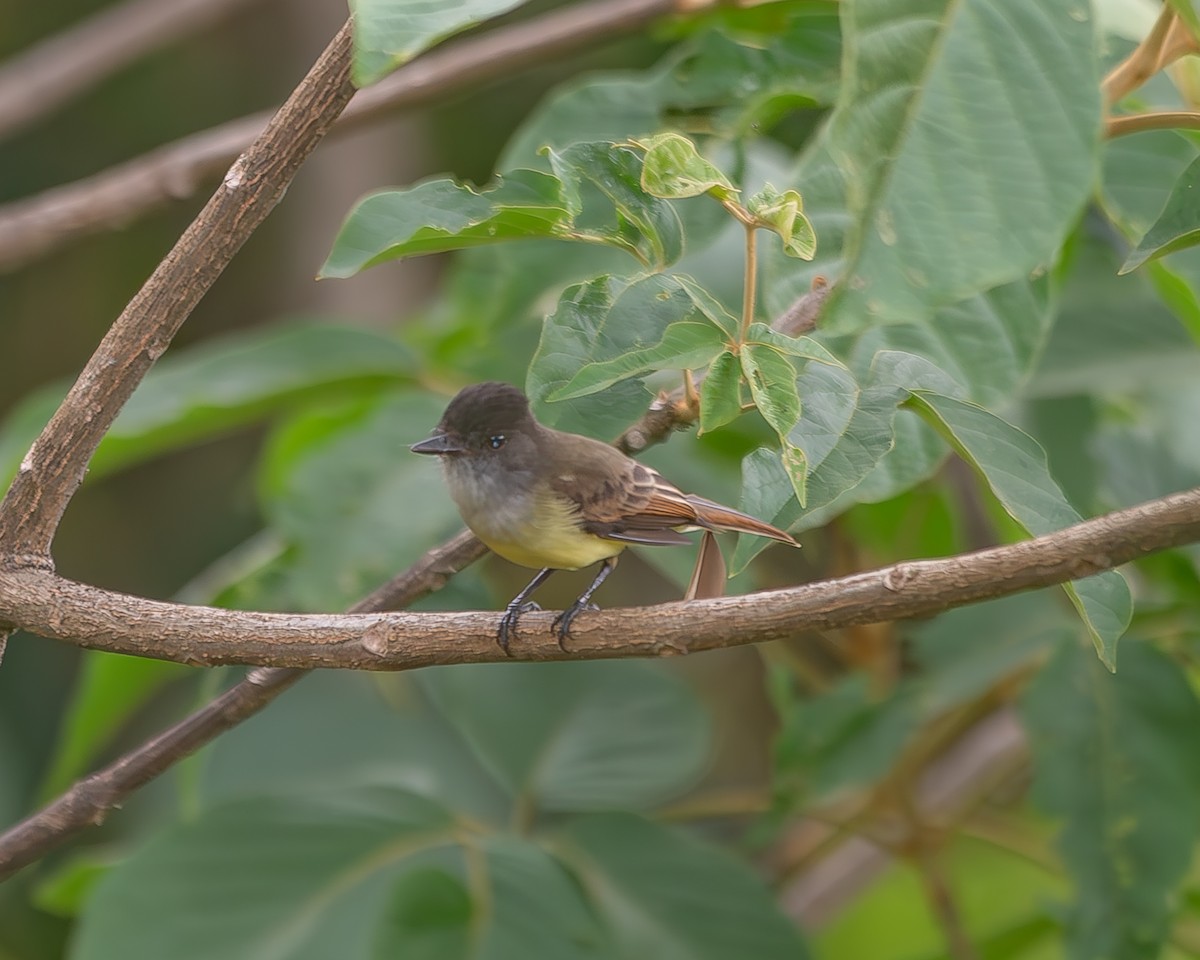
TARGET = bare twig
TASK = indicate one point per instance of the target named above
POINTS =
(43, 603)
(37, 80)
(1143, 63)
(1126, 124)
(38, 225)
(54, 467)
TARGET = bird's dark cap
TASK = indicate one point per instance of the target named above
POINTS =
(484, 409)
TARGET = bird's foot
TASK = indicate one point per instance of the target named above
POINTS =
(561, 627)
(508, 622)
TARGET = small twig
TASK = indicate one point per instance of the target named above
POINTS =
(1142, 63)
(51, 472)
(1126, 124)
(41, 78)
(941, 899)
(38, 225)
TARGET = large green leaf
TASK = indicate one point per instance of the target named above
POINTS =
(1014, 467)
(388, 33)
(286, 878)
(440, 215)
(666, 895)
(597, 323)
(338, 485)
(577, 736)
(1115, 759)
(219, 385)
(525, 905)
(968, 134)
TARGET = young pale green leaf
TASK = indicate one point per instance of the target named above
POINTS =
(1177, 226)
(783, 212)
(795, 464)
(721, 392)
(709, 305)
(1115, 760)
(1014, 467)
(285, 875)
(645, 224)
(592, 736)
(440, 215)
(389, 33)
(685, 345)
(663, 893)
(772, 380)
(673, 169)
(968, 134)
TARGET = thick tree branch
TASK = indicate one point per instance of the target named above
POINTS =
(38, 601)
(39, 79)
(55, 465)
(38, 225)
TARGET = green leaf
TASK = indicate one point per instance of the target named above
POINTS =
(645, 224)
(673, 169)
(845, 737)
(1115, 760)
(1177, 226)
(595, 323)
(685, 345)
(109, 690)
(440, 215)
(665, 894)
(804, 347)
(1014, 467)
(568, 736)
(219, 385)
(389, 33)
(784, 214)
(772, 380)
(524, 905)
(295, 877)
(967, 134)
(427, 917)
(721, 393)
(331, 482)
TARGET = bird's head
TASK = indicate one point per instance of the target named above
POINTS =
(484, 420)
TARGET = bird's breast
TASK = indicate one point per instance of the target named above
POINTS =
(524, 524)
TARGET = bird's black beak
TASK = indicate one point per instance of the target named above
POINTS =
(438, 444)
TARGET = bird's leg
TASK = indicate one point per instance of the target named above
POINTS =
(561, 627)
(518, 606)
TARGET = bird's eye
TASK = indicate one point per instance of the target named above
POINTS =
(497, 441)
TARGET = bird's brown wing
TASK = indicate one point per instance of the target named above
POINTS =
(621, 499)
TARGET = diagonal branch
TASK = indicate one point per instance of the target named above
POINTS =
(41, 78)
(55, 465)
(38, 225)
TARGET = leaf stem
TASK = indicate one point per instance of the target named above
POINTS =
(1158, 120)
(751, 279)
(1142, 63)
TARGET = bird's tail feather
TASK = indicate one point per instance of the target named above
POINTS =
(716, 517)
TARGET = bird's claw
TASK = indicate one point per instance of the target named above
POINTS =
(508, 623)
(561, 627)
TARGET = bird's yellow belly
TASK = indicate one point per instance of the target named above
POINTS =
(559, 549)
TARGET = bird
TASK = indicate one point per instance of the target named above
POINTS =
(551, 500)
